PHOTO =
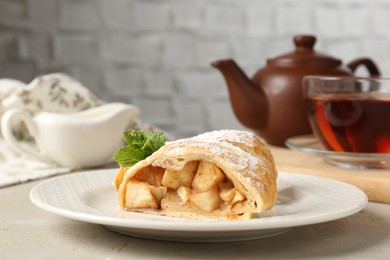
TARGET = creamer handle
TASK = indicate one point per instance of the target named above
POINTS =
(368, 63)
(6, 130)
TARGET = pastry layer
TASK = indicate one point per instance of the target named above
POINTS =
(225, 174)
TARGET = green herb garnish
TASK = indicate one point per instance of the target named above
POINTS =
(140, 144)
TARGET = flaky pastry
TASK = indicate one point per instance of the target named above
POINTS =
(219, 175)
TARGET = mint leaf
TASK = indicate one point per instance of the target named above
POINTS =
(135, 138)
(153, 142)
(140, 145)
(128, 156)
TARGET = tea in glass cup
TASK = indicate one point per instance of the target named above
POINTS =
(349, 114)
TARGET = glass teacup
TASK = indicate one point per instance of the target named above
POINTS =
(349, 114)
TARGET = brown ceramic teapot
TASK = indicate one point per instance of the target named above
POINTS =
(271, 103)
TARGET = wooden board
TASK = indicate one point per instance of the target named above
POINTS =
(375, 183)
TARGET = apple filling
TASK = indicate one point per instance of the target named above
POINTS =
(199, 187)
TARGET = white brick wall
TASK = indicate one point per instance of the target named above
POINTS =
(158, 83)
(123, 80)
(8, 46)
(115, 16)
(73, 15)
(381, 19)
(157, 53)
(260, 18)
(151, 15)
(224, 18)
(75, 48)
(295, 17)
(187, 14)
(178, 51)
(328, 19)
(357, 19)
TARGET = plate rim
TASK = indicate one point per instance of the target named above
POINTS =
(196, 225)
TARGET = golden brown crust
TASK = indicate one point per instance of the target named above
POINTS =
(241, 155)
(119, 177)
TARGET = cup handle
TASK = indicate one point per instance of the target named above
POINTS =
(368, 63)
(6, 130)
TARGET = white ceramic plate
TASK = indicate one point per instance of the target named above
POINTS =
(302, 200)
(311, 145)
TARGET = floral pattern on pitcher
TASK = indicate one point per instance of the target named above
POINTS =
(55, 92)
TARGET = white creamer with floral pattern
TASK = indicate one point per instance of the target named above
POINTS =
(81, 139)
(55, 92)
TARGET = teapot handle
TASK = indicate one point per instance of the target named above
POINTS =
(6, 130)
(368, 63)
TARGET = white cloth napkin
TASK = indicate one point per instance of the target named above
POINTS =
(16, 169)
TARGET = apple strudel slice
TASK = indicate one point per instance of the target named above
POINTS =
(219, 175)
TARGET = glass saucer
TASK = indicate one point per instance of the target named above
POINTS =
(309, 144)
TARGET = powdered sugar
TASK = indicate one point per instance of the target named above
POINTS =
(231, 146)
(231, 136)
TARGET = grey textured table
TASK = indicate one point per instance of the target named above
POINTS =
(28, 232)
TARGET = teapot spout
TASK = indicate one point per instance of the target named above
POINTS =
(248, 100)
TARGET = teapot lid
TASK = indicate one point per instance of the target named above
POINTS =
(304, 54)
